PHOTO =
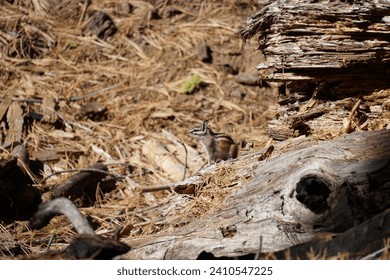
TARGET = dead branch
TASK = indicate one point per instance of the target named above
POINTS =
(64, 206)
(84, 184)
(87, 245)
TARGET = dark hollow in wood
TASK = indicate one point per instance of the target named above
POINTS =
(313, 192)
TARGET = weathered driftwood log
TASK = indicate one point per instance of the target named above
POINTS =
(327, 187)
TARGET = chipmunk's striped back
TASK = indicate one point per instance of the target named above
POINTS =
(218, 146)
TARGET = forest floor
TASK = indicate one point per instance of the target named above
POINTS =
(122, 83)
(164, 67)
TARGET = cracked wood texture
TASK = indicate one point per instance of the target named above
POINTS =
(325, 187)
(327, 56)
(303, 40)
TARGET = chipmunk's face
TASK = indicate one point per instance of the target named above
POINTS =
(200, 131)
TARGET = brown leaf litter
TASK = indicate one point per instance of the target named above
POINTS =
(77, 96)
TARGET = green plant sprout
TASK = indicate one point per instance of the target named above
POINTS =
(191, 84)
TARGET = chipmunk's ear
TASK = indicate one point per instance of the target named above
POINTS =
(205, 125)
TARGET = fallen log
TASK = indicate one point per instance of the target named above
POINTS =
(305, 40)
(326, 187)
(364, 241)
(325, 55)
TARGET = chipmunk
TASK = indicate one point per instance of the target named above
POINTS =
(218, 146)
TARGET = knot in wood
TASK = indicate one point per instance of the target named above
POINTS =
(313, 192)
